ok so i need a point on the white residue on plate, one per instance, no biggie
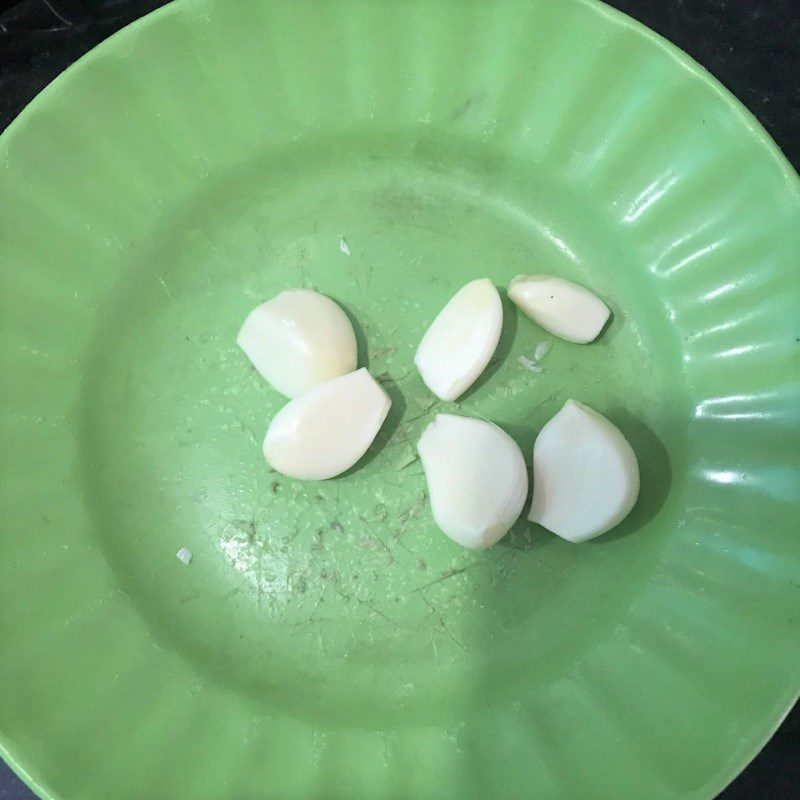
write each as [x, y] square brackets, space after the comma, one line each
[542, 349]
[529, 365]
[184, 555]
[343, 246]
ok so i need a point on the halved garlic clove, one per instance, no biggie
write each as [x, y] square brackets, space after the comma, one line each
[477, 479]
[324, 432]
[461, 340]
[299, 340]
[585, 474]
[560, 306]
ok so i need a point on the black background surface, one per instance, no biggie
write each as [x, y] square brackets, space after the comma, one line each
[752, 46]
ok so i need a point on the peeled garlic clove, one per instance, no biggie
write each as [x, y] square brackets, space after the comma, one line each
[325, 431]
[299, 340]
[560, 306]
[477, 479]
[585, 474]
[459, 343]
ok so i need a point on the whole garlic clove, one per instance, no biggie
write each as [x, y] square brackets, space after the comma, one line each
[326, 431]
[477, 479]
[299, 340]
[585, 474]
[560, 306]
[461, 340]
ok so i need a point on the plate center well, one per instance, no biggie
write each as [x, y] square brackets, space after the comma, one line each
[315, 595]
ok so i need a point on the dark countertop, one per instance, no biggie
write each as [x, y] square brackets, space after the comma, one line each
[752, 46]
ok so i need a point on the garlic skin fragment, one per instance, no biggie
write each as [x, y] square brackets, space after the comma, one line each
[299, 340]
[564, 308]
[326, 431]
[585, 474]
[460, 342]
[477, 479]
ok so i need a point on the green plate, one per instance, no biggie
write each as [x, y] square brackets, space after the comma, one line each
[326, 641]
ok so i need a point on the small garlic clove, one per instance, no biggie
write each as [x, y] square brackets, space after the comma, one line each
[461, 340]
[299, 340]
[585, 474]
[327, 430]
[477, 479]
[560, 306]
